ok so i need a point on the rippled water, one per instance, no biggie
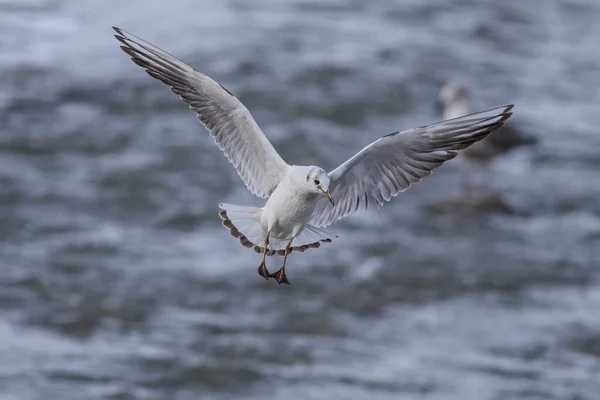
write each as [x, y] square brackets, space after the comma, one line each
[118, 282]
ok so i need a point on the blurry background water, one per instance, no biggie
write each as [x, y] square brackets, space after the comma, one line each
[118, 282]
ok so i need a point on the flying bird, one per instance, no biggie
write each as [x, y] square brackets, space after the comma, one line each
[302, 200]
[454, 99]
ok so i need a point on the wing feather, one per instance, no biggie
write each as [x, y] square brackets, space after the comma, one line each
[226, 118]
[393, 163]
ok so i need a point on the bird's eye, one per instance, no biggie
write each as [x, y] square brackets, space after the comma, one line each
[317, 182]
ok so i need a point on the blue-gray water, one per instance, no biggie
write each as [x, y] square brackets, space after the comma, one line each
[118, 282]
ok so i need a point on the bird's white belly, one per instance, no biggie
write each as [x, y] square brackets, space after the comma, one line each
[285, 214]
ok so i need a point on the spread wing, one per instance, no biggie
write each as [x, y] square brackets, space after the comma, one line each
[226, 118]
[393, 163]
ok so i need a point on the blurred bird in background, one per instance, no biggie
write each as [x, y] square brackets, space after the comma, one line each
[454, 100]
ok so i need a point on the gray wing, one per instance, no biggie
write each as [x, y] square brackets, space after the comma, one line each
[226, 118]
[391, 164]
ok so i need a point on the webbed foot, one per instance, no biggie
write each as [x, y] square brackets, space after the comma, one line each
[263, 271]
[280, 276]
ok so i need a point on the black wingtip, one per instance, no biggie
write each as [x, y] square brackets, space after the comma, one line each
[508, 108]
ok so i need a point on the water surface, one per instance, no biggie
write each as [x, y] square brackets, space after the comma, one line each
[118, 282]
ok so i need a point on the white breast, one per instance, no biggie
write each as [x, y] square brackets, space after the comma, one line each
[287, 211]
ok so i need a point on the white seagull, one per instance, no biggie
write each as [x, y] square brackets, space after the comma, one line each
[303, 199]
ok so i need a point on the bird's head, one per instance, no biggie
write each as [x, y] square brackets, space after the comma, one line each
[317, 182]
[453, 100]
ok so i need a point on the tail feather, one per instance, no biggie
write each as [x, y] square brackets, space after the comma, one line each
[243, 223]
[312, 233]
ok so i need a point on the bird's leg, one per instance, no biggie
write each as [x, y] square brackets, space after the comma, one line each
[280, 275]
[262, 268]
